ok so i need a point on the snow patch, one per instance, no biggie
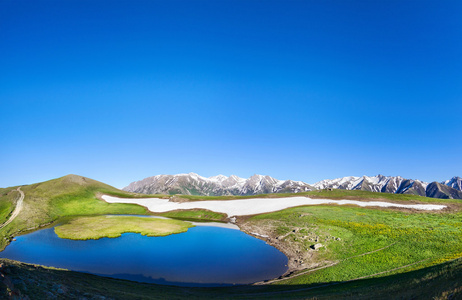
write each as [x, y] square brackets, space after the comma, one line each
[256, 205]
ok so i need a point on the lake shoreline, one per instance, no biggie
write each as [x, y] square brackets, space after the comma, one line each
[297, 260]
[194, 257]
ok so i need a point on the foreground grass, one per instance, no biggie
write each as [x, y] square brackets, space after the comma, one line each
[437, 282]
[85, 228]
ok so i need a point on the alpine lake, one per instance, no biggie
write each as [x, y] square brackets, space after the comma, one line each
[206, 255]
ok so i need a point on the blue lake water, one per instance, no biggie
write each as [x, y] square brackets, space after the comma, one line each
[202, 256]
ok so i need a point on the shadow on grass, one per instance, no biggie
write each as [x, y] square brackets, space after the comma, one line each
[443, 281]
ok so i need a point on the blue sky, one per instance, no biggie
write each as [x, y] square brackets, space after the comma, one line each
[304, 90]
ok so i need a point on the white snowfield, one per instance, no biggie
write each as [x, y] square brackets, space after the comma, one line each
[254, 206]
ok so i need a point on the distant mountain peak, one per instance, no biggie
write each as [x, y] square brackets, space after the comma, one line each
[219, 178]
[455, 182]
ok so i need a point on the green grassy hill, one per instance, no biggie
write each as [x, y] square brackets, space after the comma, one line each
[48, 201]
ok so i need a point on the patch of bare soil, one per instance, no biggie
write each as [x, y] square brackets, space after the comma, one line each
[178, 199]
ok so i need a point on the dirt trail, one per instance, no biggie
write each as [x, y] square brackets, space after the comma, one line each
[16, 210]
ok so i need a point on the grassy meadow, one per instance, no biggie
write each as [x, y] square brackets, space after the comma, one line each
[407, 238]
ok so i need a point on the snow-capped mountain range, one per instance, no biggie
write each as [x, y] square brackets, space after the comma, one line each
[449, 189]
[194, 184]
[220, 185]
[379, 183]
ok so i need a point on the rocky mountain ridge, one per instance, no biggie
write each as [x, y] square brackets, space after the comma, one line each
[220, 185]
[449, 189]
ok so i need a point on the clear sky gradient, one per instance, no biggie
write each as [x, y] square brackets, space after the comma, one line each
[305, 90]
